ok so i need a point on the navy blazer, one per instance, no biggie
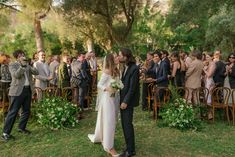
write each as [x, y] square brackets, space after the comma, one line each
[162, 75]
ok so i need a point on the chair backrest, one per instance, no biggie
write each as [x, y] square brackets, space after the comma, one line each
[50, 92]
[233, 97]
[183, 92]
[68, 93]
[35, 94]
[150, 89]
[220, 96]
[161, 95]
[201, 95]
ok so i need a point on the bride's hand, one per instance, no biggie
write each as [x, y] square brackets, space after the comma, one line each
[110, 90]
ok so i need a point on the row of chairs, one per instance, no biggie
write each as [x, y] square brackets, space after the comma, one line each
[219, 98]
[69, 93]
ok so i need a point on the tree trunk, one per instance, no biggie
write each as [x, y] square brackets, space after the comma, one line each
[90, 44]
[38, 34]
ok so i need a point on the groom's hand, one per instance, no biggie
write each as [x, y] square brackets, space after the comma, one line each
[123, 106]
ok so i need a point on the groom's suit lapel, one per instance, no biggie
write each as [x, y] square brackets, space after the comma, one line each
[127, 72]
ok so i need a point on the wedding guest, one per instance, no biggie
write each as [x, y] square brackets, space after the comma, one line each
[209, 71]
[63, 74]
[231, 70]
[194, 74]
[5, 76]
[220, 70]
[146, 70]
[21, 94]
[43, 78]
[54, 66]
[176, 70]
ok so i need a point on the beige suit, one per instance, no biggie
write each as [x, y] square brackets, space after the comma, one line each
[18, 78]
[41, 80]
[193, 76]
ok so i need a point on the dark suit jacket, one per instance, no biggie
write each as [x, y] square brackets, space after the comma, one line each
[167, 65]
[161, 76]
[131, 92]
[232, 78]
[219, 73]
[86, 65]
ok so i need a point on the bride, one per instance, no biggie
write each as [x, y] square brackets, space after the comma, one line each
[107, 105]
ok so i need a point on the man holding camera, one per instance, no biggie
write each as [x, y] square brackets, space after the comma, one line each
[20, 94]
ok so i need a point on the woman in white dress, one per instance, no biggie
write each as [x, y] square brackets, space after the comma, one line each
[209, 73]
[107, 106]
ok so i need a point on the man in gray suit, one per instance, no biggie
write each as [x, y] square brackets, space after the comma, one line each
[20, 94]
[43, 78]
[54, 65]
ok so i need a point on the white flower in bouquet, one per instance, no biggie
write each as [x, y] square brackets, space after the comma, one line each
[117, 85]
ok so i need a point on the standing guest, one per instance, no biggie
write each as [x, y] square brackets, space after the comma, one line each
[5, 76]
[69, 61]
[194, 74]
[129, 98]
[93, 65]
[44, 77]
[209, 73]
[86, 65]
[63, 74]
[176, 70]
[85, 80]
[147, 71]
[231, 70]
[161, 76]
[42, 80]
[21, 94]
[165, 59]
[54, 70]
[220, 70]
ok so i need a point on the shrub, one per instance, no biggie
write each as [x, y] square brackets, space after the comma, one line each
[179, 114]
[56, 113]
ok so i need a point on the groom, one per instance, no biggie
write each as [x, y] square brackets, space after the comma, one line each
[129, 98]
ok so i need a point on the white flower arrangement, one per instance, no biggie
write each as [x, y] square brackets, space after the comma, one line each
[117, 85]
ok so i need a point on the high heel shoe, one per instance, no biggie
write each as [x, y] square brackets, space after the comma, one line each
[113, 155]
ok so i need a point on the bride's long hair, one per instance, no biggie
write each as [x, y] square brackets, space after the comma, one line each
[109, 64]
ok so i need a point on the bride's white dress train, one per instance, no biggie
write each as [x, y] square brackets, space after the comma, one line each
[108, 108]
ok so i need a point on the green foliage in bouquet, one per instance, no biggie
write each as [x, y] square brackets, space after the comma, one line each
[179, 114]
[56, 113]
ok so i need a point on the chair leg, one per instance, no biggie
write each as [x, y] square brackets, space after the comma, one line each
[233, 115]
[154, 111]
[149, 104]
[227, 115]
[213, 114]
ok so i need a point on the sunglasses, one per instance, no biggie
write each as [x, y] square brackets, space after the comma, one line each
[232, 57]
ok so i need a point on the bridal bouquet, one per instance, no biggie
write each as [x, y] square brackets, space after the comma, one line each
[117, 85]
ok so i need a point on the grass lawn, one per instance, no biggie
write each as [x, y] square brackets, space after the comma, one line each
[214, 140]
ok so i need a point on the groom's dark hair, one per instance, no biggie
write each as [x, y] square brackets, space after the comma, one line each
[128, 54]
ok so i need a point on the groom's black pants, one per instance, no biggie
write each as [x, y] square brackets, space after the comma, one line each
[128, 129]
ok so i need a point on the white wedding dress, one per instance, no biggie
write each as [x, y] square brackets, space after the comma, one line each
[108, 108]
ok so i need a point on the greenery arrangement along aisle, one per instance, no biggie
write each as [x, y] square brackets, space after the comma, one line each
[179, 114]
[56, 113]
